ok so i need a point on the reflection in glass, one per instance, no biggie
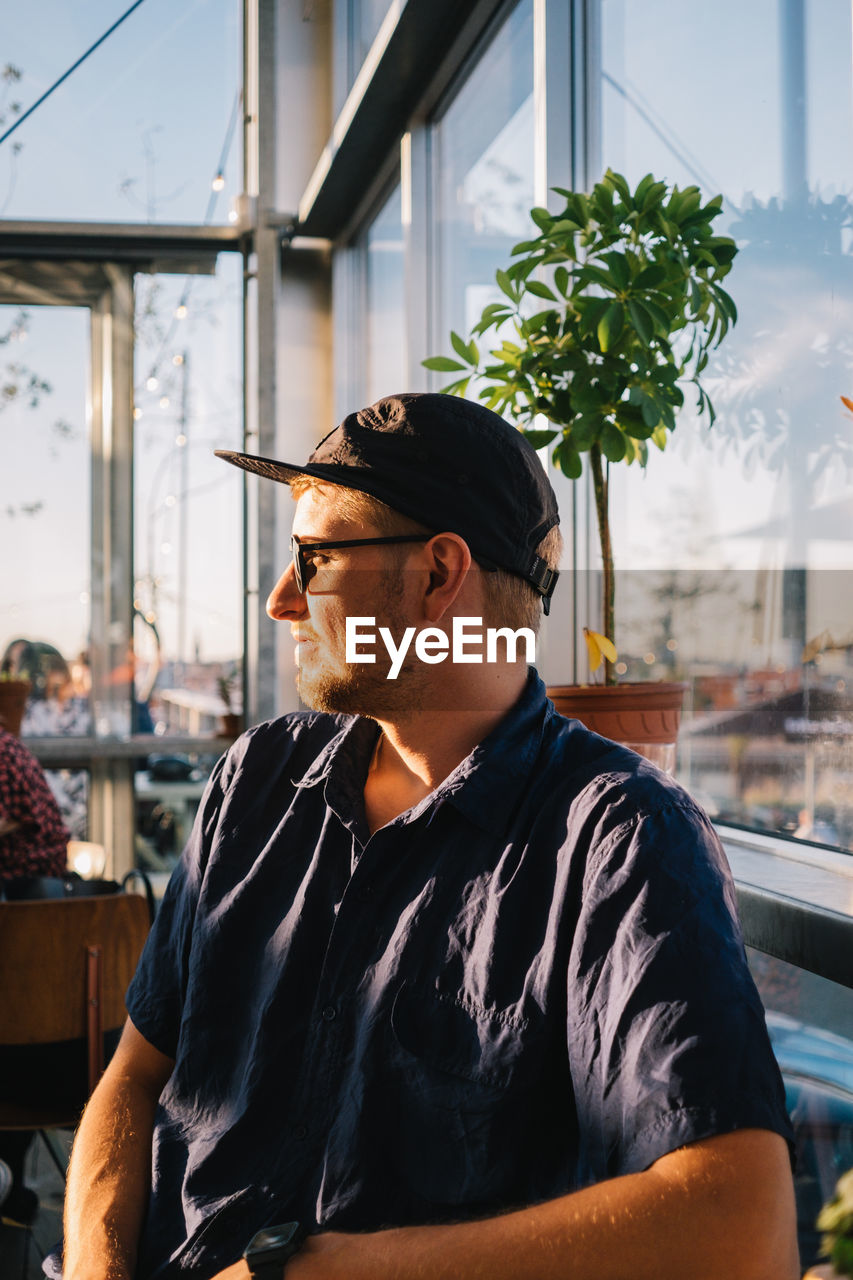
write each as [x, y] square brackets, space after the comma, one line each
[484, 148]
[45, 514]
[386, 318]
[748, 524]
[187, 620]
[145, 130]
[811, 1028]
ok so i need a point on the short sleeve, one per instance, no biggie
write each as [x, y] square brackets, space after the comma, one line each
[666, 1034]
[155, 997]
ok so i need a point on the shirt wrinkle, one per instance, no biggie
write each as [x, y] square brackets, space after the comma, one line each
[455, 1015]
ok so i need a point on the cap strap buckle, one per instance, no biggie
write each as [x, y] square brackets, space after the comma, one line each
[544, 579]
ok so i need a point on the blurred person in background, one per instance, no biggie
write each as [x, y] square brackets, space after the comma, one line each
[33, 842]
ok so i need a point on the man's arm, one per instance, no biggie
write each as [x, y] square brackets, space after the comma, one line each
[719, 1209]
[110, 1171]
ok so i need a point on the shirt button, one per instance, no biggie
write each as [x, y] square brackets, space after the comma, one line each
[329, 1013]
[300, 1132]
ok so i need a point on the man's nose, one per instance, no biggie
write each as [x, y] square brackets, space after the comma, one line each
[285, 601]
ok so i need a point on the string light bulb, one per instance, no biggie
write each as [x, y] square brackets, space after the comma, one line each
[152, 384]
[164, 402]
[219, 181]
[178, 359]
[180, 312]
[180, 440]
[137, 414]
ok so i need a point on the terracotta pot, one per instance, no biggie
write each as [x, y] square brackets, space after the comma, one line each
[13, 700]
[643, 716]
[231, 725]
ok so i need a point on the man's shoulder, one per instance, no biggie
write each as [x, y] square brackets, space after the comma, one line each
[605, 786]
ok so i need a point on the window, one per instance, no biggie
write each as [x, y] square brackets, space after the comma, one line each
[142, 128]
[386, 316]
[484, 144]
[736, 546]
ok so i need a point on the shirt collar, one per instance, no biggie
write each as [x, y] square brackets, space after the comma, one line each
[484, 786]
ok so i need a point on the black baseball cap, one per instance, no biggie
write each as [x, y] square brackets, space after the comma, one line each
[446, 462]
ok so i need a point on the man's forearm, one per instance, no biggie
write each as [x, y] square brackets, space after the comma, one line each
[108, 1181]
[718, 1209]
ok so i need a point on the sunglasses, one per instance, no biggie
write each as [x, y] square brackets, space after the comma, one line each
[304, 569]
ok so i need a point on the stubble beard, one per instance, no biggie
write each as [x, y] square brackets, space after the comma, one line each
[363, 689]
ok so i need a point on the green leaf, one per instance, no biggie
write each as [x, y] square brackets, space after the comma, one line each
[506, 285]
[641, 320]
[562, 280]
[619, 269]
[542, 218]
[612, 442]
[657, 313]
[565, 226]
[524, 246]
[539, 439]
[620, 184]
[461, 347]
[585, 431]
[722, 248]
[659, 437]
[456, 388]
[653, 196]
[651, 276]
[568, 460]
[443, 364]
[642, 188]
[592, 274]
[610, 325]
[650, 410]
[540, 290]
[591, 309]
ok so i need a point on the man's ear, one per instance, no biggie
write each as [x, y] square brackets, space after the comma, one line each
[450, 560]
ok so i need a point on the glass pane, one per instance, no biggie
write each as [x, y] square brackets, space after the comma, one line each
[140, 131]
[740, 537]
[369, 15]
[386, 317]
[45, 513]
[484, 149]
[188, 543]
[167, 794]
[811, 1025]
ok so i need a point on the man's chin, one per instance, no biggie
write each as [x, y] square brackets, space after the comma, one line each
[354, 694]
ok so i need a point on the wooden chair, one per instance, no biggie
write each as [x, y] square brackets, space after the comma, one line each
[64, 968]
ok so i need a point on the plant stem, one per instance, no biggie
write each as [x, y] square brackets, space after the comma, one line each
[600, 489]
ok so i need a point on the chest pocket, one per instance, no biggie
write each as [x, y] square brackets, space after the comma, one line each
[460, 1093]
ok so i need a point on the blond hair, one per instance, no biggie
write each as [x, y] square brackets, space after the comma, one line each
[508, 600]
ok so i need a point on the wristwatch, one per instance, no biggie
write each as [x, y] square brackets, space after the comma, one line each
[268, 1250]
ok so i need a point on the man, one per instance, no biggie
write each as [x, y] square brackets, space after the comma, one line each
[444, 977]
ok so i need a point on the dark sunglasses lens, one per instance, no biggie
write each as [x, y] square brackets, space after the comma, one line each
[298, 566]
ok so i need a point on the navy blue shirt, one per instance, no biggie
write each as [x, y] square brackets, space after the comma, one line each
[531, 981]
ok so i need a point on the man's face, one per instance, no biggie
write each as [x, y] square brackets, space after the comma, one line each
[347, 581]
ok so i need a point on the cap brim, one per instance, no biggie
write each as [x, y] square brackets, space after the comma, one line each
[267, 467]
[328, 472]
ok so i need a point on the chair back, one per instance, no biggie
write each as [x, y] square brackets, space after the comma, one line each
[64, 968]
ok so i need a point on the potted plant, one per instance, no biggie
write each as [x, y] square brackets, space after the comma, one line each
[232, 721]
[606, 315]
[836, 1222]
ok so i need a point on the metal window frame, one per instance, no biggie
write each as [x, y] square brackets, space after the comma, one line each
[92, 266]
